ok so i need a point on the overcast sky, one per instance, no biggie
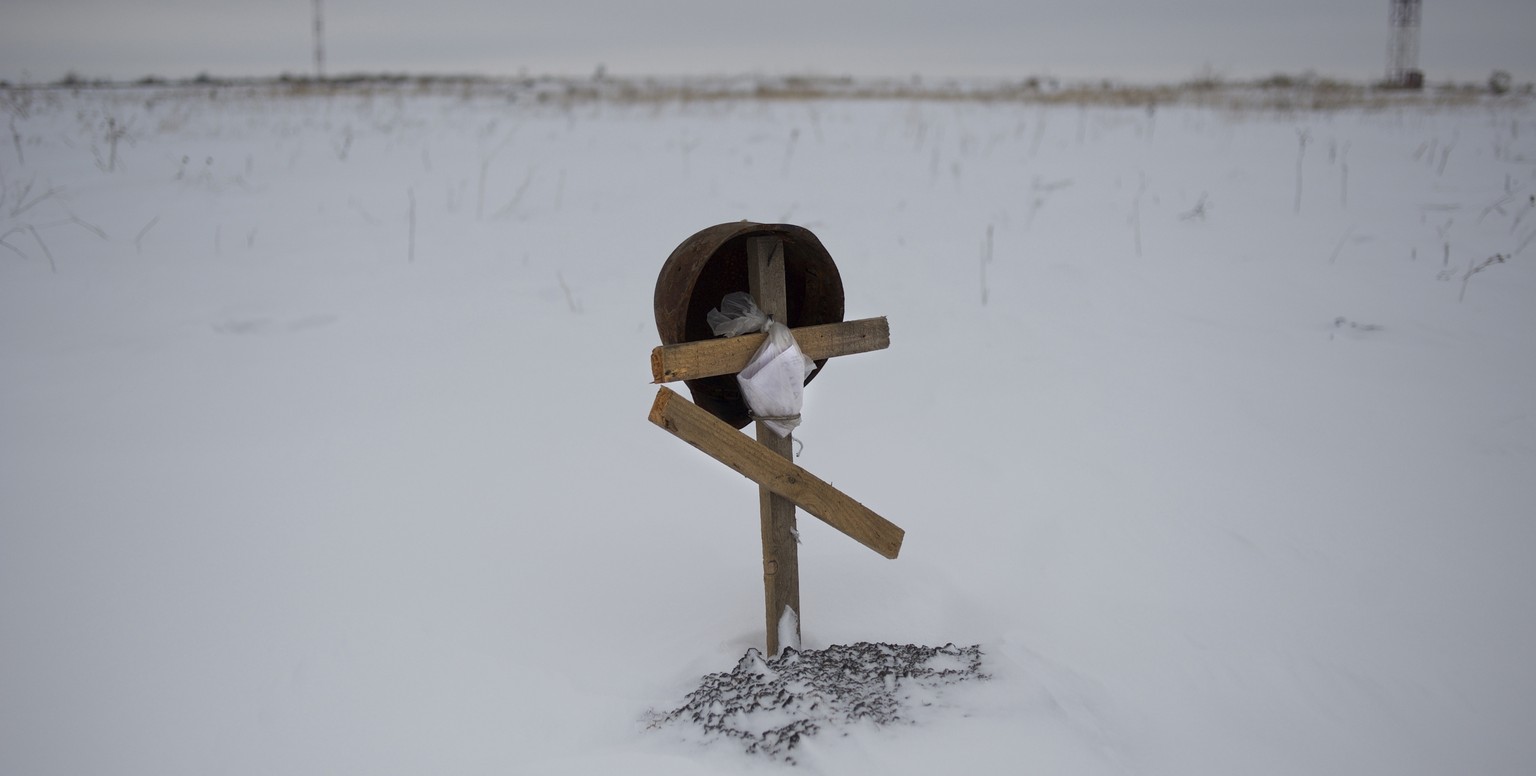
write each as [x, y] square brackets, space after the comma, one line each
[1135, 40]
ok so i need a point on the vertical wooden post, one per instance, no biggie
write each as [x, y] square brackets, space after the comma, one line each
[781, 556]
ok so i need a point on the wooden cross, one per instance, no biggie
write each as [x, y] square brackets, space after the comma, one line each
[768, 461]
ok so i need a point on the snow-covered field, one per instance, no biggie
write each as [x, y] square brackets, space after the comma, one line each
[323, 438]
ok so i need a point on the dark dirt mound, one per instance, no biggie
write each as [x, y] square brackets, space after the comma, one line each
[770, 706]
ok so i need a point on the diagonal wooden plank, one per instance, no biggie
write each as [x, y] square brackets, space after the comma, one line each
[757, 463]
[726, 356]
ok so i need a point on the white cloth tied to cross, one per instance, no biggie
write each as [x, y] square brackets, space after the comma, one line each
[773, 383]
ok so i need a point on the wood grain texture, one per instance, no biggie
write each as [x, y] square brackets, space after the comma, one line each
[781, 551]
[717, 439]
[727, 356]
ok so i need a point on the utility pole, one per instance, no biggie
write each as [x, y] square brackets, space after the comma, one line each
[319, 43]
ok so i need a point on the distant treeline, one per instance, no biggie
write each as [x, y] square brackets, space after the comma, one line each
[1307, 90]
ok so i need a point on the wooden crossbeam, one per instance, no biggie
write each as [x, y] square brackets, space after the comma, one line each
[751, 459]
[707, 358]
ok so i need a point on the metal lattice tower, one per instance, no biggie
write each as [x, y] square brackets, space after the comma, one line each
[1403, 51]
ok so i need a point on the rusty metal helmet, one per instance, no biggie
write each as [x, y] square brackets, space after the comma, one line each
[713, 263]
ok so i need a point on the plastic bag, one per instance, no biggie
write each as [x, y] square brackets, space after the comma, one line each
[773, 382]
[737, 315]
